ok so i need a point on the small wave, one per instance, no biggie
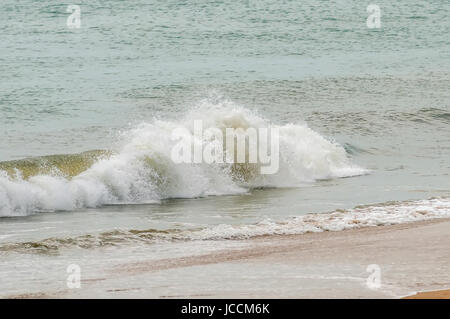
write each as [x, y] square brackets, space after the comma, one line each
[354, 150]
[389, 213]
[429, 115]
[435, 113]
[143, 172]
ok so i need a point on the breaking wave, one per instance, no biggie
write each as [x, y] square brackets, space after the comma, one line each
[142, 171]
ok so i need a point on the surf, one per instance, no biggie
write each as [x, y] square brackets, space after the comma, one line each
[142, 171]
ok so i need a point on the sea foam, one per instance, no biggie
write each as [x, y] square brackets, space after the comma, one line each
[142, 170]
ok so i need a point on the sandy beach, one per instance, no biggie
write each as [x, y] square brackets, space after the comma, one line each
[411, 258]
[438, 294]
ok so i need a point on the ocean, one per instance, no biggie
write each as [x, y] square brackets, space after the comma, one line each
[86, 117]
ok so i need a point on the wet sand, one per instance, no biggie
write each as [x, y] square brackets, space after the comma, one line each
[439, 294]
[410, 258]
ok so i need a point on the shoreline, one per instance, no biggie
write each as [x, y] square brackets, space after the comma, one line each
[312, 265]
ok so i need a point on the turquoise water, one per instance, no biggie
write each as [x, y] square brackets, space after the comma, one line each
[67, 90]
[382, 94]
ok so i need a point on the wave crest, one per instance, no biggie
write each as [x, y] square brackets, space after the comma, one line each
[142, 170]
